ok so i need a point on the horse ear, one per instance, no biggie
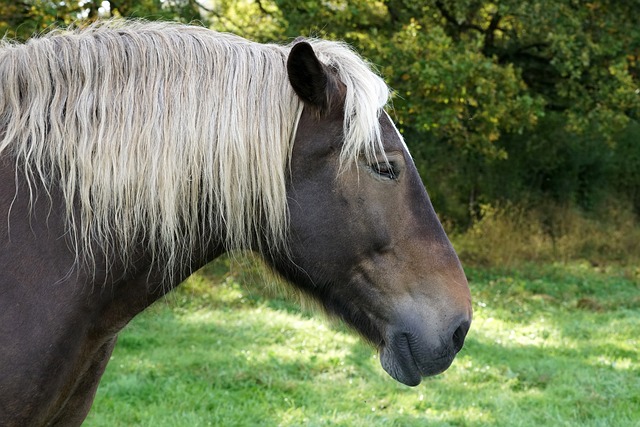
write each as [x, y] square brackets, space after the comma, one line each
[308, 76]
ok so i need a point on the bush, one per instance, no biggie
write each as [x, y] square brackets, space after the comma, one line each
[508, 235]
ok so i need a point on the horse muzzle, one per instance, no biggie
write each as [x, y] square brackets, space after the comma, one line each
[410, 352]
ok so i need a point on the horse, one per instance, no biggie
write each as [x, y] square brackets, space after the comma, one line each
[133, 153]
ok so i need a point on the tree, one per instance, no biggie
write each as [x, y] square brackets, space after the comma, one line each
[23, 19]
[480, 86]
[488, 78]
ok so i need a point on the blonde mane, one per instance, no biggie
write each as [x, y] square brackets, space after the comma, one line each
[164, 132]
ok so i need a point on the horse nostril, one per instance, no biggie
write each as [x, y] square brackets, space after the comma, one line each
[459, 334]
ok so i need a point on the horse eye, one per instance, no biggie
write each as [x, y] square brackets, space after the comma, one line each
[386, 170]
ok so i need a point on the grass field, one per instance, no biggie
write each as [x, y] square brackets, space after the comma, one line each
[550, 346]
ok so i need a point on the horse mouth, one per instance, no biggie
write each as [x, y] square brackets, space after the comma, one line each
[407, 361]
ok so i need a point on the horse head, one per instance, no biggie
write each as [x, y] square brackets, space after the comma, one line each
[364, 238]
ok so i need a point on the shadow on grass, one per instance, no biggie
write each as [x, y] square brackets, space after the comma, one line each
[239, 371]
[266, 362]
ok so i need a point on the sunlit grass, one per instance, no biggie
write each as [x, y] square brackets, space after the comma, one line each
[549, 346]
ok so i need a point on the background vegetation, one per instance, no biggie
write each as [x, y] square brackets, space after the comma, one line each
[509, 107]
[524, 120]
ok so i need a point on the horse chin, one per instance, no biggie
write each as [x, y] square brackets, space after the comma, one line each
[406, 361]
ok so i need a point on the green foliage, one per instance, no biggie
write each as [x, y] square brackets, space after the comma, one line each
[499, 101]
[23, 19]
[456, 92]
[550, 345]
[625, 165]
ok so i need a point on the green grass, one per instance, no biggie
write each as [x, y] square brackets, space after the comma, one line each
[549, 346]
